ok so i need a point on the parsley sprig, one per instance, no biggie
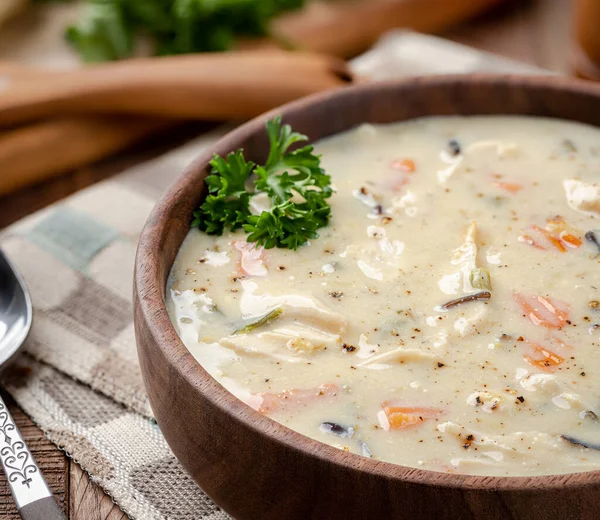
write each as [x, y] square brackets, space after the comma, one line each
[113, 29]
[294, 182]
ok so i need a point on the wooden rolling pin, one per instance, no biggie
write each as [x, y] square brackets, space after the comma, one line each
[215, 86]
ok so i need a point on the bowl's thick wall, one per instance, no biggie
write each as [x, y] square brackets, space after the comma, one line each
[257, 469]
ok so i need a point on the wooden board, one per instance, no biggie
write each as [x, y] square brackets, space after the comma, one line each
[87, 500]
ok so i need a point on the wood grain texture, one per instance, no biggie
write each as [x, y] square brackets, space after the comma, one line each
[87, 500]
[348, 28]
[17, 205]
[9, 8]
[586, 55]
[495, 32]
[211, 86]
[49, 148]
[71, 119]
[222, 441]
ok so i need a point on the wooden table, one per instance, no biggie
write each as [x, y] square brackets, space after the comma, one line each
[536, 32]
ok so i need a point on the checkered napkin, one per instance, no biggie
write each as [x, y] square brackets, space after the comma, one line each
[80, 379]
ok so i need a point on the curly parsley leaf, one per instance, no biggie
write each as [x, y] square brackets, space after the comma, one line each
[227, 203]
[294, 182]
[111, 29]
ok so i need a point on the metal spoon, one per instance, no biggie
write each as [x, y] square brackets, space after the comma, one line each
[29, 489]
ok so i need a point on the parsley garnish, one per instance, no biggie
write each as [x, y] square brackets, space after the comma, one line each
[111, 29]
[294, 182]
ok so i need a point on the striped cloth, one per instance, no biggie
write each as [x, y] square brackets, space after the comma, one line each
[80, 380]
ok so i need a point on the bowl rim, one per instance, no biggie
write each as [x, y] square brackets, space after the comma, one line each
[149, 295]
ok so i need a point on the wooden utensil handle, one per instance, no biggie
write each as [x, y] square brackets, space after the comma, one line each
[586, 53]
[206, 86]
[39, 151]
[346, 28]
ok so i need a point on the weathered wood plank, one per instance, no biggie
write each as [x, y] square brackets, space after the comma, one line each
[87, 500]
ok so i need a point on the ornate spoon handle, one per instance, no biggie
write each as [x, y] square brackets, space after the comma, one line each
[29, 489]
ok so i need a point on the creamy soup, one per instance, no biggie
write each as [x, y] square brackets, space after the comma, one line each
[448, 317]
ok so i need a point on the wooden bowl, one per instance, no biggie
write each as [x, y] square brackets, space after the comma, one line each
[258, 469]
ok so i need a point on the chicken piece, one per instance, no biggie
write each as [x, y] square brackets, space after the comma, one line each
[251, 258]
[284, 343]
[290, 331]
[467, 252]
[544, 384]
[583, 197]
[469, 284]
[547, 387]
[485, 401]
[469, 278]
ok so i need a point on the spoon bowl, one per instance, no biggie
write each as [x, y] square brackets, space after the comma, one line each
[16, 313]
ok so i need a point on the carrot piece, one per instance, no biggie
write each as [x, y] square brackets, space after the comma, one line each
[512, 187]
[552, 239]
[544, 359]
[399, 417]
[543, 311]
[557, 233]
[405, 165]
[570, 239]
[528, 239]
[296, 398]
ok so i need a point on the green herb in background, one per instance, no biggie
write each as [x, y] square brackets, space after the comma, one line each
[294, 183]
[109, 29]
